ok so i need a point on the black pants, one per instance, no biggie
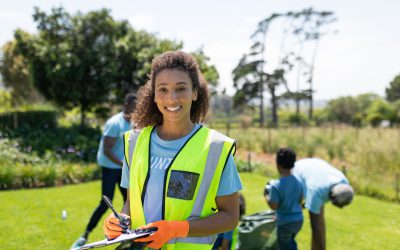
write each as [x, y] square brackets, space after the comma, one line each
[109, 178]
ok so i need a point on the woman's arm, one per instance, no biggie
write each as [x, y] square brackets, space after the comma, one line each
[127, 208]
[109, 143]
[224, 220]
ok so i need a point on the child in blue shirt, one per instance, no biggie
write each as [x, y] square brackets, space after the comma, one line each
[284, 196]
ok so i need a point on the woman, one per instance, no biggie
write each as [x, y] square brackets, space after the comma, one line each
[180, 176]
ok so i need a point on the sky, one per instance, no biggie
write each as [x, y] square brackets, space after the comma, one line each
[363, 56]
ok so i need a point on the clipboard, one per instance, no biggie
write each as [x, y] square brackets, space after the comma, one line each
[136, 234]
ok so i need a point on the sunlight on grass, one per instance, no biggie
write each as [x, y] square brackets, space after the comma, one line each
[33, 218]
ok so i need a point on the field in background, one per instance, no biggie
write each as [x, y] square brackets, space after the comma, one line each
[370, 156]
[32, 218]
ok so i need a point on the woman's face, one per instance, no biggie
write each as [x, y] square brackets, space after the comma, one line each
[174, 95]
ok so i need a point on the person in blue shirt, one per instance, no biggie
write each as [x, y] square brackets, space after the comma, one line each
[110, 156]
[321, 183]
[285, 196]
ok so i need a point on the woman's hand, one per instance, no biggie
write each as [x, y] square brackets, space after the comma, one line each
[166, 230]
[113, 228]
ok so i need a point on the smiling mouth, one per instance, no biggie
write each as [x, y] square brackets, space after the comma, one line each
[173, 109]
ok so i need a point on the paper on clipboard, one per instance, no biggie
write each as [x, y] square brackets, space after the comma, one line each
[119, 239]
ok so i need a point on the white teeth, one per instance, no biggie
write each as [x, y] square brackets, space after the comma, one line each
[173, 108]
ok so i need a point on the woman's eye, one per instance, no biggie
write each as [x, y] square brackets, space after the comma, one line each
[181, 89]
[162, 90]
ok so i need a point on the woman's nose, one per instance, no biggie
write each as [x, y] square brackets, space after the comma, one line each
[172, 95]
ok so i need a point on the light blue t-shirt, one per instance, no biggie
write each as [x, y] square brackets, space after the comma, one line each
[115, 127]
[162, 153]
[287, 192]
[317, 177]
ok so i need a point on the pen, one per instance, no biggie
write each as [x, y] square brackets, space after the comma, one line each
[117, 215]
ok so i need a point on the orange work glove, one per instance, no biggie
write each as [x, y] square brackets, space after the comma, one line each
[166, 231]
[112, 226]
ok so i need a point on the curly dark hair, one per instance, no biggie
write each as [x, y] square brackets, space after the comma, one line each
[147, 113]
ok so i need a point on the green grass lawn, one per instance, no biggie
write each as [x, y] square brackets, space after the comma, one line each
[366, 224]
[31, 219]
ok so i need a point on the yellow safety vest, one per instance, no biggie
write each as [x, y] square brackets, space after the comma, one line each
[201, 159]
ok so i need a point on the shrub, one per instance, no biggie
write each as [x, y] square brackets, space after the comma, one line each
[47, 175]
[25, 120]
[34, 176]
[7, 177]
[27, 170]
[73, 143]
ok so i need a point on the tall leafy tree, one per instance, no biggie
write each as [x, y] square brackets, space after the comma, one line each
[89, 60]
[342, 109]
[250, 77]
[133, 56]
[15, 73]
[393, 91]
[72, 58]
[395, 119]
[208, 70]
[308, 25]
[379, 111]
[363, 101]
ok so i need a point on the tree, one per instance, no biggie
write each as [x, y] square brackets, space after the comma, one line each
[250, 76]
[133, 57]
[393, 91]
[15, 73]
[365, 100]
[72, 58]
[89, 60]
[342, 109]
[209, 72]
[379, 111]
[5, 100]
[310, 27]
[395, 118]
[276, 79]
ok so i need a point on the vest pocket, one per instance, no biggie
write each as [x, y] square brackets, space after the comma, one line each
[182, 184]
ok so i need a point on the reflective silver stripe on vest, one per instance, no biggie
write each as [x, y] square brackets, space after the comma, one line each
[195, 240]
[214, 153]
[132, 144]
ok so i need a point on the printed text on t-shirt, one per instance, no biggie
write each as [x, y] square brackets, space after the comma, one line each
[160, 162]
